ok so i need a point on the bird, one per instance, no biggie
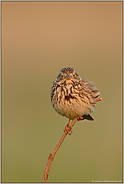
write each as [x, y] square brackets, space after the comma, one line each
[71, 96]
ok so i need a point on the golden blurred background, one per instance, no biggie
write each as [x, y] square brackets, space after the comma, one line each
[38, 40]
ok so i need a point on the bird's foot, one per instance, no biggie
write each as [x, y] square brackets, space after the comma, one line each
[98, 99]
[68, 128]
[79, 118]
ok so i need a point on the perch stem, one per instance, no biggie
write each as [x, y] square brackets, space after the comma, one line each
[52, 155]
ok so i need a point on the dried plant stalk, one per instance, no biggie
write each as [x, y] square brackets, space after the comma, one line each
[52, 155]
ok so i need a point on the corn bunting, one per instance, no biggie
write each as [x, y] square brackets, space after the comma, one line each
[72, 96]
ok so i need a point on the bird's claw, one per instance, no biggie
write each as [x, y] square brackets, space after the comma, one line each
[68, 128]
[79, 118]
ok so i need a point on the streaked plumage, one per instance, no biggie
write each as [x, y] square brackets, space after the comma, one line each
[72, 96]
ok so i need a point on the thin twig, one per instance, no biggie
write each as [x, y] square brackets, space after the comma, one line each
[52, 155]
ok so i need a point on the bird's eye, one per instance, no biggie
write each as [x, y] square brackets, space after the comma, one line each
[61, 75]
[74, 75]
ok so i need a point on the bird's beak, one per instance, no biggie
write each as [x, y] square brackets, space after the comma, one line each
[68, 76]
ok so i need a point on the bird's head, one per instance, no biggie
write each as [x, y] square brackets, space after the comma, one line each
[67, 73]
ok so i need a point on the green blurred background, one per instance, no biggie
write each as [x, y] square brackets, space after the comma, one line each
[38, 40]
